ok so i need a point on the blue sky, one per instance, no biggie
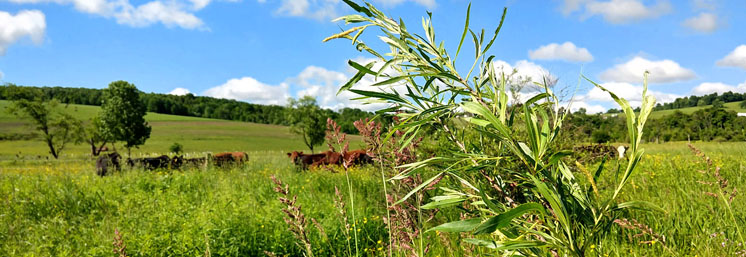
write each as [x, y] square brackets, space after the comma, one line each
[265, 51]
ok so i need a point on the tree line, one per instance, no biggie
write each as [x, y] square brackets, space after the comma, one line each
[196, 106]
[709, 124]
[694, 101]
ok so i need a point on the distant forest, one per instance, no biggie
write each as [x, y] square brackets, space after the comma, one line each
[709, 124]
[693, 101]
[200, 106]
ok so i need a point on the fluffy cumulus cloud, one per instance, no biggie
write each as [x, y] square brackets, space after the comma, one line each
[663, 71]
[717, 87]
[617, 11]
[704, 22]
[736, 58]
[250, 90]
[566, 51]
[525, 70]
[324, 10]
[631, 92]
[179, 91]
[25, 24]
[172, 13]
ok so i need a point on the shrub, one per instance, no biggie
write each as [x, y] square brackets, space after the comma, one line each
[511, 184]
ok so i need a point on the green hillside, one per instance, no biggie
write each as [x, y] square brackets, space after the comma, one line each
[197, 135]
[732, 106]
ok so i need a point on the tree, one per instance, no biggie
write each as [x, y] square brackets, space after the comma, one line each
[176, 148]
[96, 137]
[123, 115]
[57, 127]
[306, 120]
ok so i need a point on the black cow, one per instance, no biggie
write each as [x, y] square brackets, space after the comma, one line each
[176, 162]
[104, 161]
[160, 162]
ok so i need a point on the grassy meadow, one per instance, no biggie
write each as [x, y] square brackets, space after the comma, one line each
[197, 135]
[61, 208]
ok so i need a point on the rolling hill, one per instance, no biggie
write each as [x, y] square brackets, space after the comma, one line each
[197, 135]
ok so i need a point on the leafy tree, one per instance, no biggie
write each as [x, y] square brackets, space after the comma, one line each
[306, 120]
[58, 128]
[123, 115]
[96, 136]
[717, 103]
[600, 136]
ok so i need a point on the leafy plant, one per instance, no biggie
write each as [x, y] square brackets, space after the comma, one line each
[510, 181]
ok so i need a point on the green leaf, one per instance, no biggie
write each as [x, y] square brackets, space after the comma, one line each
[640, 205]
[418, 188]
[364, 69]
[503, 220]
[358, 8]
[457, 226]
[466, 29]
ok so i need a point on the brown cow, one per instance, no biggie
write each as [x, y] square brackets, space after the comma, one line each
[330, 158]
[304, 160]
[221, 159]
[357, 157]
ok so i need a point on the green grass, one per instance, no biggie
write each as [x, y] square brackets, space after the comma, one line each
[732, 106]
[60, 208]
[197, 135]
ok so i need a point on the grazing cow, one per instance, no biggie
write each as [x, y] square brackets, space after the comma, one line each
[357, 157]
[330, 158]
[304, 160]
[104, 161]
[160, 162]
[222, 159]
[176, 162]
[196, 162]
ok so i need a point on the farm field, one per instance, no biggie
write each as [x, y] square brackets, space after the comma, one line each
[197, 135]
[61, 208]
[732, 106]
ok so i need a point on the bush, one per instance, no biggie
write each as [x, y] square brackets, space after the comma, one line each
[600, 136]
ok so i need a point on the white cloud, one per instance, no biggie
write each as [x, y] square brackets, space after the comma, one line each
[26, 23]
[179, 91]
[663, 71]
[705, 23]
[717, 87]
[736, 58]
[324, 10]
[525, 70]
[1, 75]
[566, 51]
[250, 90]
[172, 13]
[630, 92]
[617, 11]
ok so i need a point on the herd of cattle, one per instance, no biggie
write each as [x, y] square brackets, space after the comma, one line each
[106, 162]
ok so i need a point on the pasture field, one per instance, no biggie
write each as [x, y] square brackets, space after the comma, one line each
[732, 106]
[195, 134]
[60, 208]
